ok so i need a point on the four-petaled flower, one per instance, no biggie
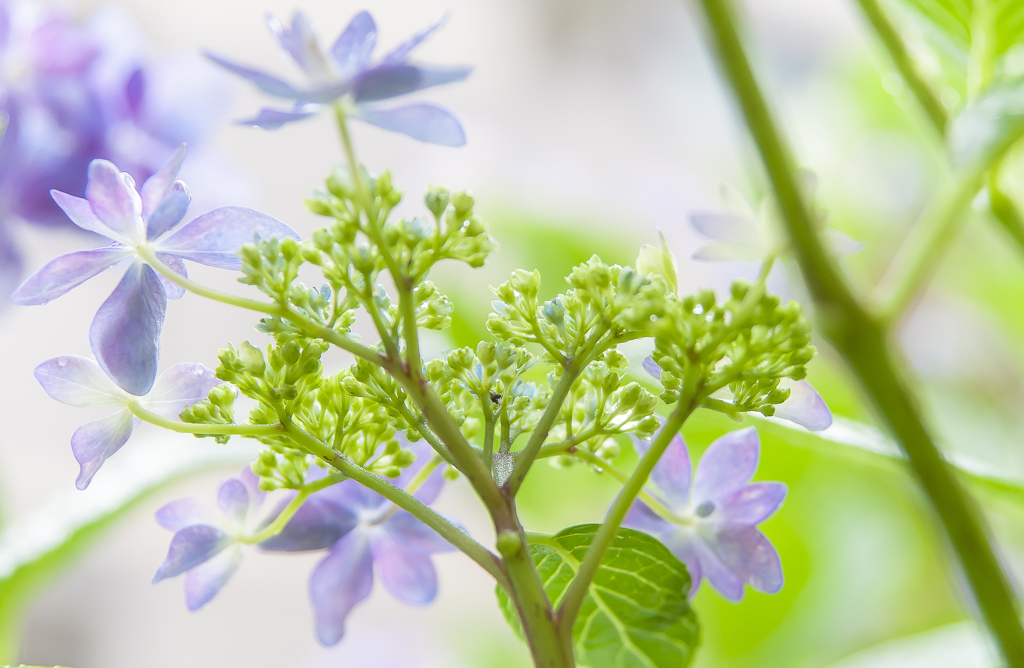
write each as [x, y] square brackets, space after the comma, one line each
[79, 381]
[804, 406]
[206, 544]
[713, 528]
[346, 74]
[125, 333]
[363, 530]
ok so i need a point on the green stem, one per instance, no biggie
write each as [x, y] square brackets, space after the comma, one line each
[303, 493]
[893, 43]
[655, 505]
[580, 584]
[1004, 209]
[412, 337]
[863, 342]
[488, 445]
[212, 429]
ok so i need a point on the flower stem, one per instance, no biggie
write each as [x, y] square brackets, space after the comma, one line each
[645, 496]
[211, 429]
[893, 42]
[279, 523]
[580, 584]
[863, 341]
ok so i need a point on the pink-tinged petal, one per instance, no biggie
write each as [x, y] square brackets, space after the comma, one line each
[112, 197]
[233, 500]
[190, 547]
[177, 265]
[673, 471]
[66, 272]
[642, 518]
[81, 214]
[410, 532]
[186, 512]
[301, 44]
[408, 575]
[651, 367]
[727, 465]
[351, 51]
[747, 553]
[204, 581]
[95, 442]
[272, 119]
[179, 387]
[265, 82]
[401, 53]
[749, 505]
[340, 582]
[804, 406]
[79, 381]
[421, 121]
[317, 525]
[215, 238]
[159, 185]
[718, 251]
[169, 211]
[721, 577]
[125, 334]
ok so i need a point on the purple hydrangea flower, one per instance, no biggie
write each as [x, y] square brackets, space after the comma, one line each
[79, 381]
[714, 528]
[125, 333]
[365, 532]
[804, 406]
[206, 546]
[346, 74]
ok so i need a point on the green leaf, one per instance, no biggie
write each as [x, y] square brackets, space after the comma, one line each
[999, 22]
[988, 126]
[636, 614]
[34, 549]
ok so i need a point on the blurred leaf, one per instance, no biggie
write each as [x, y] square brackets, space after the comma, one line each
[988, 126]
[35, 549]
[999, 22]
[636, 614]
[951, 646]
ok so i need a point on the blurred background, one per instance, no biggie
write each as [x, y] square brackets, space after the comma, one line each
[592, 124]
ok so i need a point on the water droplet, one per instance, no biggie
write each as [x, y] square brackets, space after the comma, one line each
[62, 361]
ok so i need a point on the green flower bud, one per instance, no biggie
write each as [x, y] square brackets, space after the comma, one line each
[660, 262]
[252, 358]
[437, 200]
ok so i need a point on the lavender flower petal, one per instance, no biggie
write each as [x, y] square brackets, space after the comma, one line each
[190, 547]
[268, 84]
[169, 211]
[204, 581]
[301, 44]
[351, 51]
[642, 518]
[413, 534]
[252, 485]
[340, 582]
[318, 524]
[182, 513]
[408, 575]
[66, 272]
[81, 214]
[401, 52]
[804, 407]
[751, 504]
[94, 442]
[681, 542]
[717, 573]
[113, 199]
[351, 495]
[233, 500]
[179, 387]
[125, 334]
[727, 465]
[387, 81]
[78, 381]
[651, 367]
[177, 265]
[717, 251]
[157, 186]
[11, 264]
[748, 554]
[729, 228]
[272, 119]
[422, 121]
[214, 238]
[431, 487]
[672, 472]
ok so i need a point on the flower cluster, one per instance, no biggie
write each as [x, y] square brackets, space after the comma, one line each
[71, 93]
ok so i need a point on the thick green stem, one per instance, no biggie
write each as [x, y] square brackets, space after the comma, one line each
[623, 478]
[863, 342]
[580, 584]
[893, 43]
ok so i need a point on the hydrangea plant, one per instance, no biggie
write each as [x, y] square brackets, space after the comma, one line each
[352, 461]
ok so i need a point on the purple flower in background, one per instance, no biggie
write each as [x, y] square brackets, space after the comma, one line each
[125, 333]
[347, 75]
[79, 381]
[365, 532]
[714, 528]
[804, 406]
[206, 545]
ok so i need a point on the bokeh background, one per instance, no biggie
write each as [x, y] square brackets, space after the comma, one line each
[592, 124]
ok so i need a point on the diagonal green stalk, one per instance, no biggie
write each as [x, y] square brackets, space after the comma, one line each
[180, 427]
[863, 341]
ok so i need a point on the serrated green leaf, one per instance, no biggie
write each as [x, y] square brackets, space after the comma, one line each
[988, 126]
[636, 614]
[34, 549]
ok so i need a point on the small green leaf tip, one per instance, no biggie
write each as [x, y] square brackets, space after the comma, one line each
[659, 262]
